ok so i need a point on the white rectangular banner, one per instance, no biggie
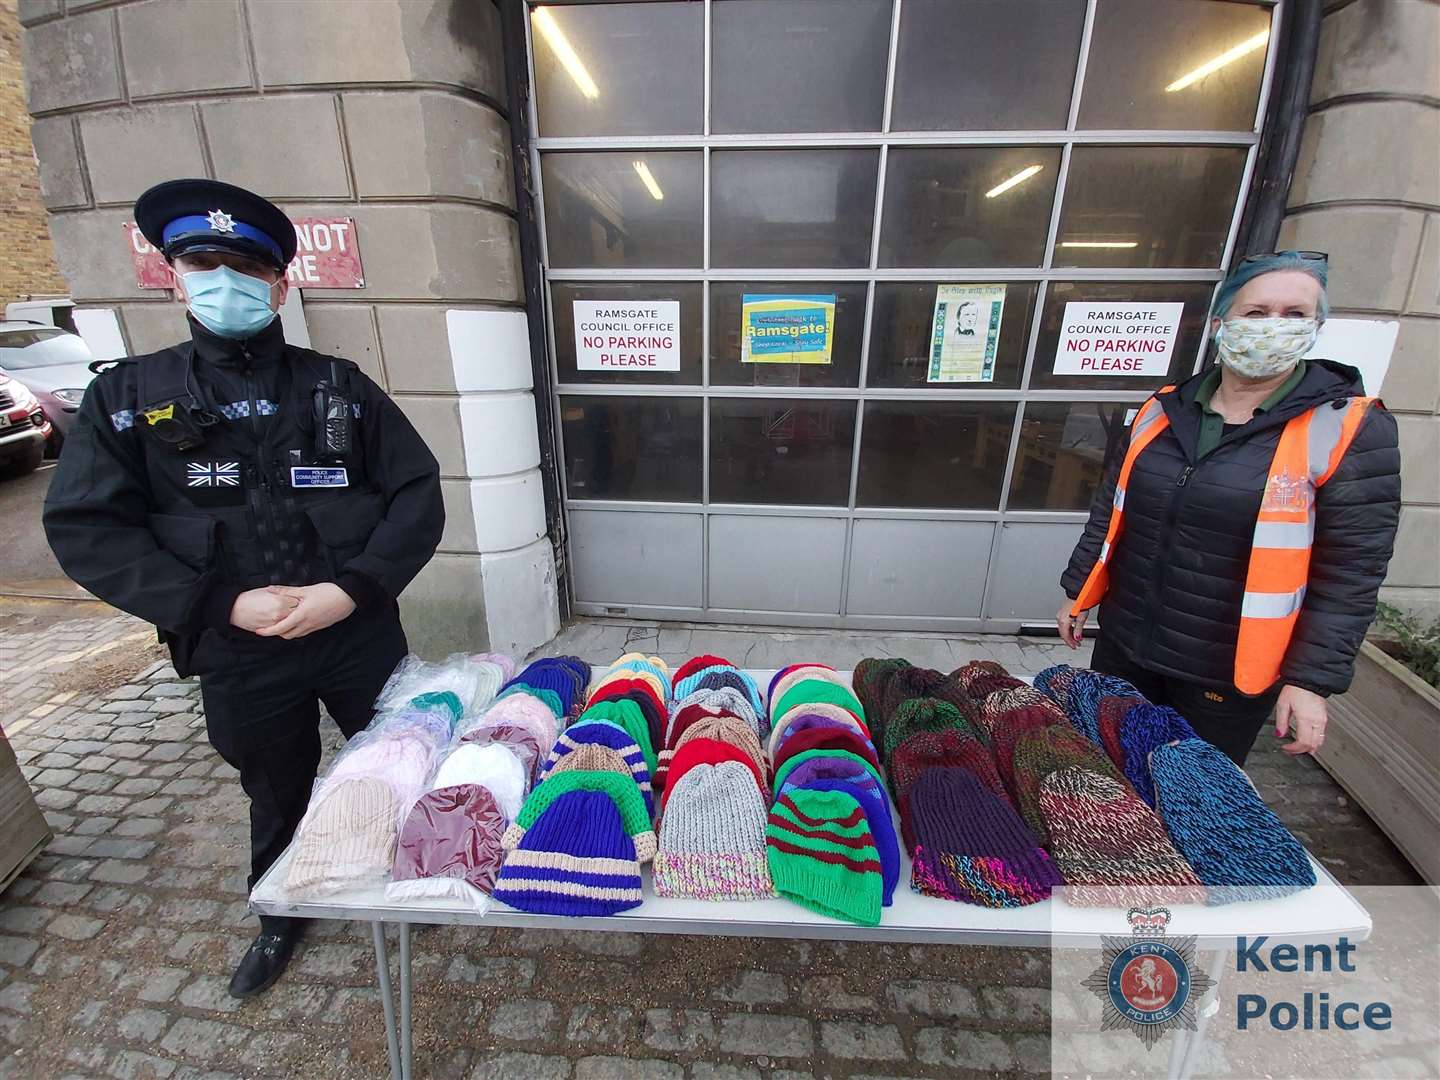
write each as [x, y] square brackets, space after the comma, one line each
[1117, 339]
[614, 335]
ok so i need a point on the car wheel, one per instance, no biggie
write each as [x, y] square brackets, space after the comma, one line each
[29, 461]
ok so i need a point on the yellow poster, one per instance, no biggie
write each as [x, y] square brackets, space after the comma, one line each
[786, 329]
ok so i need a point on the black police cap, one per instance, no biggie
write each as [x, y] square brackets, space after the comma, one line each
[181, 216]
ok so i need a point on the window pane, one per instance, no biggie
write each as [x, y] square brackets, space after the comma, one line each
[805, 65]
[900, 334]
[1194, 295]
[620, 69]
[1148, 205]
[726, 298]
[641, 208]
[792, 207]
[967, 206]
[934, 454]
[1146, 61]
[769, 451]
[688, 293]
[632, 448]
[997, 65]
[1064, 446]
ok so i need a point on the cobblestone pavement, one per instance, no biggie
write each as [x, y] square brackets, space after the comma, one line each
[116, 944]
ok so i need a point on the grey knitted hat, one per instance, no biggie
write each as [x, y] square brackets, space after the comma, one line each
[712, 837]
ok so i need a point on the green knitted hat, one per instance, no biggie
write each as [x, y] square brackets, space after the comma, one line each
[621, 788]
[920, 714]
[625, 714]
[821, 855]
[791, 764]
[810, 691]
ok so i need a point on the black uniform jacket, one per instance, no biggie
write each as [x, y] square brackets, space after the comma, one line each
[174, 537]
[1177, 575]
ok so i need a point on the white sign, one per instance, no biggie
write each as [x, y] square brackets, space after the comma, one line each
[613, 335]
[1117, 339]
[1366, 344]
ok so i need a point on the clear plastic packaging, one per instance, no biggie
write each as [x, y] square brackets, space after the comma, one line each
[449, 846]
[473, 681]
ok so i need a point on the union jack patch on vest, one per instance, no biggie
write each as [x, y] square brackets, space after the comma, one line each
[212, 474]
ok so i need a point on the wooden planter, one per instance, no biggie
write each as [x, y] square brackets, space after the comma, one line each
[1382, 746]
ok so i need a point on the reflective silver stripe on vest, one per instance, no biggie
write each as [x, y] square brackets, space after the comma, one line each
[1271, 605]
[1119, 501]
[1285, 534]
[1149, 413]
[1325, 424]
[1104, 551]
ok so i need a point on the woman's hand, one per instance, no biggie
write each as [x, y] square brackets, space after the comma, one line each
[256, 609]
[1072, 627]
[1302, 714]
[319, 606]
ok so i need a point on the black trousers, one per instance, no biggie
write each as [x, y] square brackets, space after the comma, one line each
[1226, 718]
[262, 698]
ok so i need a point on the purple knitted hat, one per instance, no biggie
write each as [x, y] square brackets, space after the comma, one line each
[972, 846]
[1147, 728]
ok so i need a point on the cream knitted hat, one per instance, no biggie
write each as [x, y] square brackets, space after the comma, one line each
[347, 839]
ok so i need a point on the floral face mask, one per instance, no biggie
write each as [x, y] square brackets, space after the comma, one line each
[1262, 348]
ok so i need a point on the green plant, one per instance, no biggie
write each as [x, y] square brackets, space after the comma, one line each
[1410, 641]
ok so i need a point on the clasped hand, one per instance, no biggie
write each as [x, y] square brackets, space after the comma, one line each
[289, 611]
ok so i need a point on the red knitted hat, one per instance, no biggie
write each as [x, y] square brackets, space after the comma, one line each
[694, 664]
[826, 738]
[710, 752]
[998, 703]
[1009, 726]
[1112, 713]
[982, 677]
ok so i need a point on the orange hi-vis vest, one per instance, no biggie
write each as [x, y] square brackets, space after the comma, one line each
[1310, 448]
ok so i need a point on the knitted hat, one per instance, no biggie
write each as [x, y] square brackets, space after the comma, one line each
[919, 714]
[503, 662]
[622, 685]
[981, 678]
[643, 699]
[868, 681]
[641, 662]
[553, 701]
[711, 752]
[564, 676]
[918, 682]
[712, 838]
[821, 708]
[489, 677]
[998, 703]
[805, 717]
[1086, 689]
[728, 729]
[625, 714]
[575, 859]
[604, 733]
[839, 760]
[822, 855]
[785, 678]
[832, 738]
[591, 757]
[1217, 821]
[658, 686]
[452, 832]
[1040, 753]
[828, 765]
[709, 702]
[1146, 728]
[1113, 711]
[1054, 682]
[927, 750]
[970, 845]
[871, 797]
[694, 664]
[347, 838]
[520, 740]
[812, 691]
[1011, 725]
[494, 766]
[621, 791]
[692, 682]
[527, 710]
[1109, 846]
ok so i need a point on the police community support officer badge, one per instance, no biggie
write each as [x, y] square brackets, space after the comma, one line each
[221, 221]
[1145, 982]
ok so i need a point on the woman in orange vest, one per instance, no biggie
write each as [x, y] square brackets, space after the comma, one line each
[1236, 547]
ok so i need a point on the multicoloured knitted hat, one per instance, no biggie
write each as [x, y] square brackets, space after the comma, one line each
[926, 750]
[919, 714]
[625, 714]
[916, 682]
[1040, 753]
[1086, 689]
[590, 757]
[832, 738]
[839, 760]
[970, 845]
[575, 859]
[822, 855]
[871, 796]
[620, 790]
[813, 691]
[981, 678]
[710, 752]
[604, 733]
[1113, 712]
[998, 703]
[1219, 823]
[1011, 725]
[868, 681]
[1109, 846]
[696, 663]
[1054, 682]
[1146, 728]
[804, 717]
[712, 838]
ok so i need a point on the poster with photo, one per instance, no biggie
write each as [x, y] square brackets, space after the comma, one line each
[965, 333]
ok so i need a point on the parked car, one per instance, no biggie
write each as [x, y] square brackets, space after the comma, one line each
[54, 364]
[23, 427]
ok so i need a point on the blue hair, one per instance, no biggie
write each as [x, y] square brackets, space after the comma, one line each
[1249, 270]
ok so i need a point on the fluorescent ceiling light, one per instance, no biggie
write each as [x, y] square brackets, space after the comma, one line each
[648, 179]
[564, 52]
[1100, 243]
[1019, 178]
[1229, 56]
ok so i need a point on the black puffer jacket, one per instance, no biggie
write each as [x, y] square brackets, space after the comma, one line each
[1177, 575]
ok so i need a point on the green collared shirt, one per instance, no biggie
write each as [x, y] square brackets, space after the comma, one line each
[1212, 424]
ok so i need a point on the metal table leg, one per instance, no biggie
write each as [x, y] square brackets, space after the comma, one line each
[1209, 1005]
[405, 1032]
[387, 999]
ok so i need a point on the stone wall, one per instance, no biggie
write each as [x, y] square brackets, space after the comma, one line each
[29, 264]
[390, 112]
[1367, 190]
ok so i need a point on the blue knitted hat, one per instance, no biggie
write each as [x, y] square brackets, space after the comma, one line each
[1145, 728]
[692, 682]
[1222, 827]
[576, 859]
[871, 797]
[605, 733]
[1086, 690]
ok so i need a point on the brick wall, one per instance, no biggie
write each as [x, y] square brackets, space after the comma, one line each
[390, 112]
[1367, 190]
[29, 263]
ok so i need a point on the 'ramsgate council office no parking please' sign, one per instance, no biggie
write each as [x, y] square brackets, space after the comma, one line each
[1117, 339]
[327, 256]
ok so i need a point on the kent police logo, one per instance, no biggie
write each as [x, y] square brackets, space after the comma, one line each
[221, 221]
[1144, 982]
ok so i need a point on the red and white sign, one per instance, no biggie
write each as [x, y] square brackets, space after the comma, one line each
[615, 335]
[1117, 339]
[327, 256]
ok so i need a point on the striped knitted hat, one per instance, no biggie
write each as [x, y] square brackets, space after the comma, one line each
[866, 790]
[590, 757]
[620, 790]
[980, 678]
[712, 838]
[1113, 711]
[970, 844]
[711, 752]
[1040, 753]
[1219, 823]
[575, 859]
[625, 714]
[604, 733]
[1148, 727]
[822, 855]
[868, 681]
[918, 714]
[804, 717]
[823, 738]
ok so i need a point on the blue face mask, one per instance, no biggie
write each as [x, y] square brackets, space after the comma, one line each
[227, 302]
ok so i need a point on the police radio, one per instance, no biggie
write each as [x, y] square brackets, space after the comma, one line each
[332, 410]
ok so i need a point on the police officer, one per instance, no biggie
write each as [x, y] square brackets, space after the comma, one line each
[261, 504]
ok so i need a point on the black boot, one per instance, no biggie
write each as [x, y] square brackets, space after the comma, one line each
[268, 955]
